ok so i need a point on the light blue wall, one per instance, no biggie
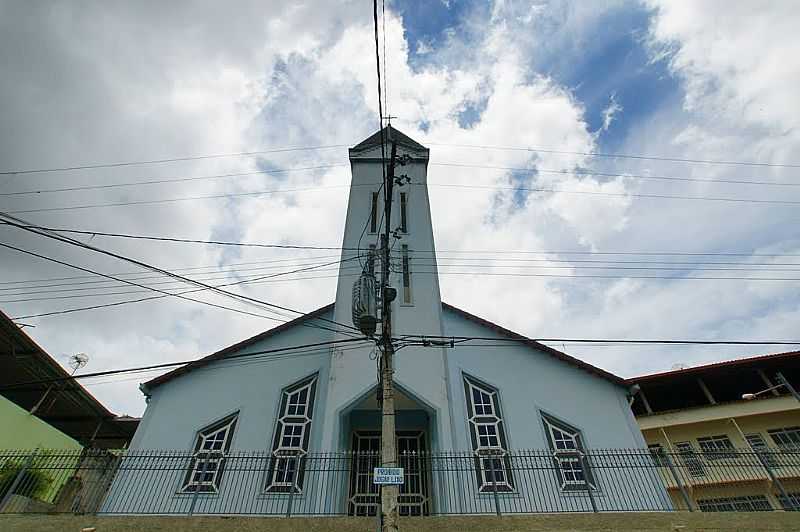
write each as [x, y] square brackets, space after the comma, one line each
[251, 386]
[531, 382]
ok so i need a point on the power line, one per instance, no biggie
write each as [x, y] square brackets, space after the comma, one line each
[169, 160]
[180, 363]
[617, 155]
[133, 283]
[179, 199]
[445, 185]
[170, 180]
[452, 251]
[591, 172]
[26, 292]
[26, 226]
[601, 340]
[616, 194]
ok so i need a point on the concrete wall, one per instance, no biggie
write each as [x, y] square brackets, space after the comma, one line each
[22, 430]
[666, 522]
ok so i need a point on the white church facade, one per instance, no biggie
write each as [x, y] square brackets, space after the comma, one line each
[465, 400]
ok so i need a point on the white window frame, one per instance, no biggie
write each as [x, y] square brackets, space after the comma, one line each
[490, 453]
[568, 454]
[215, 455]
[717, 447]
[787, 439]
[289, 457]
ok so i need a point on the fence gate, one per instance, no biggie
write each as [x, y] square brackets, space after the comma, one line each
[364, 497]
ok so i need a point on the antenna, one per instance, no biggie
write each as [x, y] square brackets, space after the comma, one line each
[679, 366]
[77, 361]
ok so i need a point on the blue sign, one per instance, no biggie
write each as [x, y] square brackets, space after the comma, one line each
[387, 475]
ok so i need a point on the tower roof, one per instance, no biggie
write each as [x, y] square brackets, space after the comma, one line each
[392, 133]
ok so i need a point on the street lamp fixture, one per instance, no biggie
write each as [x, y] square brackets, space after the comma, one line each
[782, 382]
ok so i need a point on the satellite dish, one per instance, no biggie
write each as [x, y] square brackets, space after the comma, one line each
[78, 360]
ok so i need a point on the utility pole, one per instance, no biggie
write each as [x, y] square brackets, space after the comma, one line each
[389, 511]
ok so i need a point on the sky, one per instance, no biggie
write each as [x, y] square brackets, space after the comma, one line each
[130, 82]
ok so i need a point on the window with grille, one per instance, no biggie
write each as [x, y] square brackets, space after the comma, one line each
[568, 454]
[791, 503]
[406, 275]
[658, 455]
[487, 434]
[208, 461]
[759, 446]
[787, 439]
[750, 503]
[292, 433]
[690, 459]
[716, 447]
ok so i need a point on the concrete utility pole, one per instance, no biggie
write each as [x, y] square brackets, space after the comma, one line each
[389, 512]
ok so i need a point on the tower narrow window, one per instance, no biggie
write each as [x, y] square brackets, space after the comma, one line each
[566, 445]
[208, 462]
[292, 432]
[403, 212]
[373, 213]
[487, 433]
[406, 276]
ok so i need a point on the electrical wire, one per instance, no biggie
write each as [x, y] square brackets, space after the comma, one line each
[22, 224]
[168, 180]
[616, 194]
[522, 339]
[179, 363]
[169, 160]
[617, 155]
[416, 251]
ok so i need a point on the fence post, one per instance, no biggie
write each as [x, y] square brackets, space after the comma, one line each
[293, 487]
[585, 465]
[494, 489]
[197, 486]
[17, 480]
[789, 501]
[675, 476]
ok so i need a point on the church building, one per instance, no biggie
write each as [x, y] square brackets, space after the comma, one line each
[461, 398]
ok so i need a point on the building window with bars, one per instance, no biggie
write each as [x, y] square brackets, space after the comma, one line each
[566, 445]
[748, 503]
[488, 438]
[373, 213]
[716, 447]
[406, 273]
[760, 447]
[790, 503]
[787, 439]
[690, 459]
[292, 433]
[208, 461]
[657, 453]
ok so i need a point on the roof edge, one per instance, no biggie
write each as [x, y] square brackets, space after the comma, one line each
[615, 379]
[148, 386]
[712, 366]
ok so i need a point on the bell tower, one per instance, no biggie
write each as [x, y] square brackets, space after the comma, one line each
[419, 371]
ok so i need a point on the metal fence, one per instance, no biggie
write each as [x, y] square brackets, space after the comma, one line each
[451, 483]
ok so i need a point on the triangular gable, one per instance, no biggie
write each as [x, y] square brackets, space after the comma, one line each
[222, 353]
[375, 140]
[536, 345]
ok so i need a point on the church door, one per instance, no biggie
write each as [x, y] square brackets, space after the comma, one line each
[364, 496]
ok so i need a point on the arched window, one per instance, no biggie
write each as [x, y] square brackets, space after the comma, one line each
[292, 433]
[488, 436]
[566, 444]
[208, 462]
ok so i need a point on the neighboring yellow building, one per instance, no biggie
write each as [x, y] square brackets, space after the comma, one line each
[700, 416]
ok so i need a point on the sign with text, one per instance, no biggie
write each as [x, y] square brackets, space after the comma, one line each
[387, 475]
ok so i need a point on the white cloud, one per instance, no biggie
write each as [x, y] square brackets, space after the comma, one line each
[124, 82]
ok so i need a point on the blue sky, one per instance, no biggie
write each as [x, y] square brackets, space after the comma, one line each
[514, 74]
